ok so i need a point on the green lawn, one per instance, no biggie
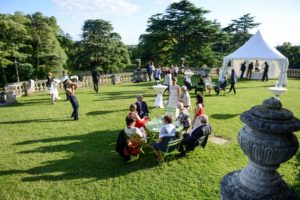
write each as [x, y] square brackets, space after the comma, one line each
[46, 155]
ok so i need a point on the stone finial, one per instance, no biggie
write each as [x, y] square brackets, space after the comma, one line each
[268, 140]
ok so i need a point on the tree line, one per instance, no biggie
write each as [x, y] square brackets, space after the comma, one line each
[32, 45]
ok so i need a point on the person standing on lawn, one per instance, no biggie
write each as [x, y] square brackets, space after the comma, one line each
[233, 81]
[71, 92]
[96, 78]
[265, 74]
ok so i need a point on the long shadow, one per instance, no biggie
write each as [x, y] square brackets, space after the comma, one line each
[117, 97]
[144, 84]
[90, 156]
[296, 186]
[103, 112]
[223, 116]
[36, 120]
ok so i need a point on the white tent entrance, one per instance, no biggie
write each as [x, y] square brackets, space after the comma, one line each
[256, 48]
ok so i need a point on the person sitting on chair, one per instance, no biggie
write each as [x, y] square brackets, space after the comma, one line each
[133, 114]
[166, 134]
[188, 83]
[222, 85]
[141, 107]
[200, 86]
[198, 136]
[129, 139]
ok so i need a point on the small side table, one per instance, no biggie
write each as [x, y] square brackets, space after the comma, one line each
[159, 89]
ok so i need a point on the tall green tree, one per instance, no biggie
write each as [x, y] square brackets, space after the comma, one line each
[69, 47]
[29, 42]
[181, 32]
[101, 48]
[14, 39]
[47, 52]
[238, 31]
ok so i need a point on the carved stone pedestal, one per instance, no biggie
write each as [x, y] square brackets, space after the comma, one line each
[268, 140]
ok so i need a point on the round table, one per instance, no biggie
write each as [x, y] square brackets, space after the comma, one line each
[156, 124]
[159, 89]
[189, 74]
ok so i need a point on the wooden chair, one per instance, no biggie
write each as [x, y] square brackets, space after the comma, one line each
[172, 150]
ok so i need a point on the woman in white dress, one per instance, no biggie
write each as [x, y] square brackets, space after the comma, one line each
[174, 94]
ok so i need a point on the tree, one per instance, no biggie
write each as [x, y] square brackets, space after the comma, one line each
[238, 31]
[14, 38]
[46, 47]
[292, 53]
[29, 40]
[101, 48]
[69, 47]
[182, 32]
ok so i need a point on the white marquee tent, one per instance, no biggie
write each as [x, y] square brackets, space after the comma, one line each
[256, 48]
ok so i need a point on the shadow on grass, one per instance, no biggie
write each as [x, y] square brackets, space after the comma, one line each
[142, 84]
[36, 120]
[103, 112]
[91, 155]
[296, 187]
[116, 96]
[223, 116]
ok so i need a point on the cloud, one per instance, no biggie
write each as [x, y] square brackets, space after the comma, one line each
[93, 8]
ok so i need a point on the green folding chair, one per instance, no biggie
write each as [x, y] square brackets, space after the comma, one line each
[171, 151]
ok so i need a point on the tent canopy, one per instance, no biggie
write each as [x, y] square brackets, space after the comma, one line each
[256, 48]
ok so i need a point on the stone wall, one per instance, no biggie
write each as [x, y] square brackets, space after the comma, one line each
[24, 87]
[293, 73]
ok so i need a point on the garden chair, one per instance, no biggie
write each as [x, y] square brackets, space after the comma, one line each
[172, 150]
[200, 88]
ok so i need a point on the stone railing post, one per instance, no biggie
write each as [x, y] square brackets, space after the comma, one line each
[116, 79]
[268, 140]
[10, 91]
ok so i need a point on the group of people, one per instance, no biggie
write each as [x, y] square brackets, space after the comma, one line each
[134, 135]
[256, 67]
[157, 72]
[69, 88]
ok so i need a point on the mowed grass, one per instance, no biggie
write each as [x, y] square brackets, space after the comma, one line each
[46, 155]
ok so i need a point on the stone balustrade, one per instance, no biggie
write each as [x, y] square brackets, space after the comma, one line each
[293, 73]
[21, 88]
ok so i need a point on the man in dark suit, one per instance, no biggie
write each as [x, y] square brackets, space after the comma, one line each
[96, 78]
[141, 106]
[265, 74]
[243, 69]
[198, 136]
[249, 70]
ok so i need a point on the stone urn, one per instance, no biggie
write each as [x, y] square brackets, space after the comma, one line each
[268, 140]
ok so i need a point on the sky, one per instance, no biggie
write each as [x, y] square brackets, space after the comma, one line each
[279, 19]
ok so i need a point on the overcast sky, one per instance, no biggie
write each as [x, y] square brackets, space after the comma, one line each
[279, 19]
